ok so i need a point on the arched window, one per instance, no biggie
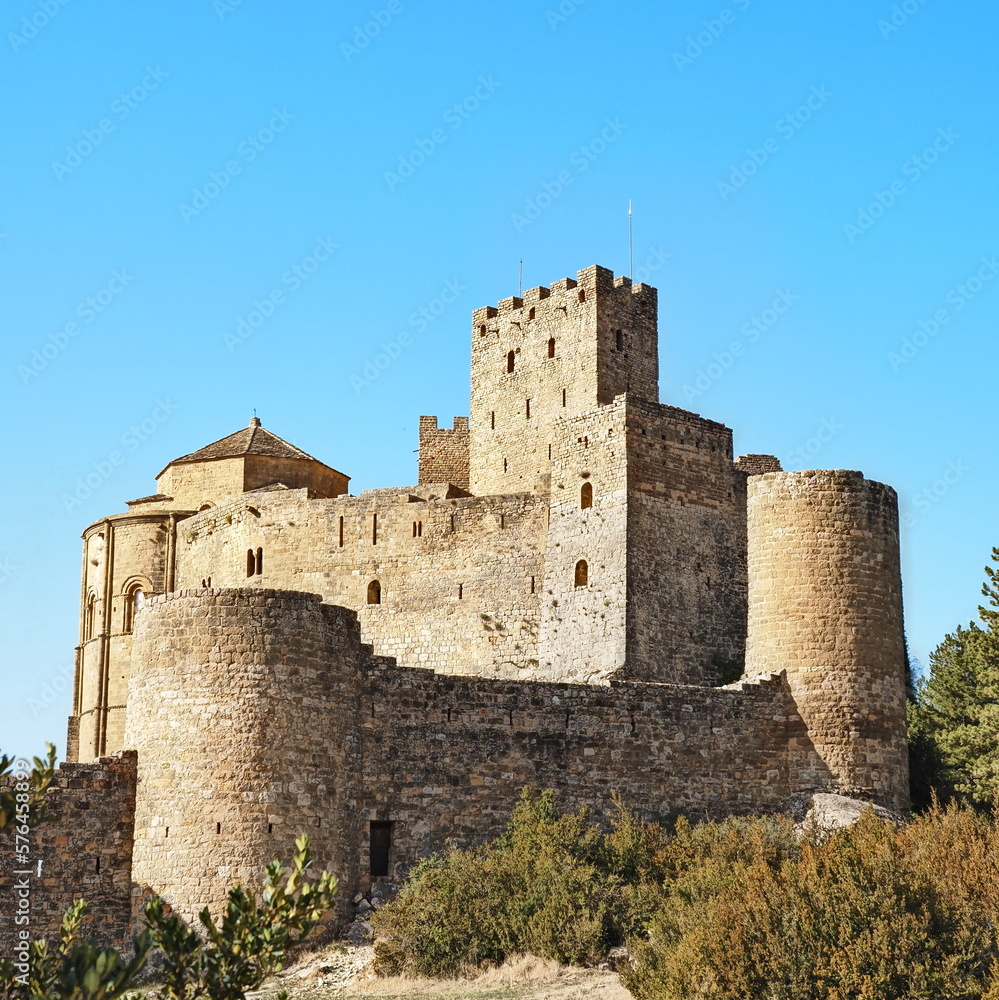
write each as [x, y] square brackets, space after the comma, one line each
[582, 573]
[586, 496]
[551, 347]
[582, 295]
[259, 562]
[510, 359]
[135, 597]
[90, 616]
[619, 340]
[374, 592]
[207, 505]
[251, 562]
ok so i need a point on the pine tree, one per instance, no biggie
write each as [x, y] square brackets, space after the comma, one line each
[954, 720]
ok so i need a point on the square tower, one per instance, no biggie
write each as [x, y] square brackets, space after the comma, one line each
[556, 353]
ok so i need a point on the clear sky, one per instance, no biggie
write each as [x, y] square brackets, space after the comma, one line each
[815, 196]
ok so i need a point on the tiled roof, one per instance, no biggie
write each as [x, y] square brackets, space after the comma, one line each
[252, 440]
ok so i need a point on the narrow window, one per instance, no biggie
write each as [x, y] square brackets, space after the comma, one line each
[527, 408]
[414, 529]
[582, 573]
[532, 313]
[582, 295]
[90, 617]
[482, 330]
[97, 866]
[270, 827]
[341, 532]
[419, 529]
[619, 338]
[504, 465]
[532, 585]
[509, 361]
[492, 420]
[218, 828]
[461, 591]
[374, 592]
[502, 520]
[563, 397]
[586, 496]
[134, 599]
[259, 562]
[251, 562]
[551, 347]
[549, 453]
[452, 524]
[167, 834]
[381, 846]
[374, 529]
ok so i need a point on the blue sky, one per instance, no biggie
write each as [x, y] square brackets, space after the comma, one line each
[172, 172]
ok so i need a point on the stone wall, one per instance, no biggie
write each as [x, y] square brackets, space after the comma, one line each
[686, 548]
[444, 758]
[82, 849]
[444, 452]
[458, 579]
[825, 603]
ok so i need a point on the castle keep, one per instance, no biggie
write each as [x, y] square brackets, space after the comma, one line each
[585, 591]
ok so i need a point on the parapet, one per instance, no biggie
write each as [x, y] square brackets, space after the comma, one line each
[757, 465]
[590, 281]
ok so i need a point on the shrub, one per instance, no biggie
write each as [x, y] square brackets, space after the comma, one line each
[870, 912]
[552, 885]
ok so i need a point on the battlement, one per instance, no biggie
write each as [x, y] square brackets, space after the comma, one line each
[594, 279]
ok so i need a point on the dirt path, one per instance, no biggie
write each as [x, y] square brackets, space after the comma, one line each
[346, 975]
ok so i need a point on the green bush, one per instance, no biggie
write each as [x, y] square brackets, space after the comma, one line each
[552, 885]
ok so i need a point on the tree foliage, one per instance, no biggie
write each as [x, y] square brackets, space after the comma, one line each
[954, 718]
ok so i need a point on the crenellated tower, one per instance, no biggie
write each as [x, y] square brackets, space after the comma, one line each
[557, 352]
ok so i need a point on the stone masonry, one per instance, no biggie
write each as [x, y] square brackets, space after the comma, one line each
[584, 591]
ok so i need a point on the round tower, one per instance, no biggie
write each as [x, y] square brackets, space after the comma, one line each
[825, 605]
[234, 704]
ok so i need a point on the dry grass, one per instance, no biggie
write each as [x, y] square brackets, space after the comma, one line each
[523, 977]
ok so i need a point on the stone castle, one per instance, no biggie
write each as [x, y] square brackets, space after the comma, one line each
[585, 591]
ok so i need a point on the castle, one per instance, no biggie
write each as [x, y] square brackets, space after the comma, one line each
[585, 591]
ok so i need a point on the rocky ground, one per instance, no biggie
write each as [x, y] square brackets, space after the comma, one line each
[344, 972]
